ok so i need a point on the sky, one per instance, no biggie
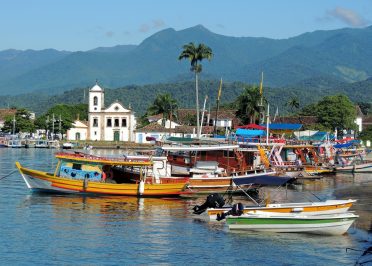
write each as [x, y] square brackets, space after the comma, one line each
[81, 25]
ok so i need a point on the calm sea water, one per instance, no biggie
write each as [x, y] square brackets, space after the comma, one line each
[73, 230]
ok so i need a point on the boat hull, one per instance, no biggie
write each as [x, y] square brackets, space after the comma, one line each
[358, 168]
[42, 181]
[336, 224]
[309, 208]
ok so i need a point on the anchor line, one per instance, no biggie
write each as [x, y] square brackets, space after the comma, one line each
[5, 176]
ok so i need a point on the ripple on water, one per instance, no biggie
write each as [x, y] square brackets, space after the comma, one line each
[63, 229]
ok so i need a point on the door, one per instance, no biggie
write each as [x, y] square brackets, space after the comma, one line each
[116, 135]
[77, 136]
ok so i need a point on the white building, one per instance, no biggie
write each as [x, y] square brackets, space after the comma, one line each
[78, 131]
[114, 123]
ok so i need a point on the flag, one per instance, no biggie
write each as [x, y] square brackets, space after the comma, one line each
[261, 84]
[219, 91]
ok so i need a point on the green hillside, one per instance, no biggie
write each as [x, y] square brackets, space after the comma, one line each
[139, 98]
[342, 55]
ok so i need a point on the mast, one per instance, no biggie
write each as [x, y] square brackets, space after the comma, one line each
[53, 127]
[267, 124]
[14, 121]
[202, 118]
[217, 107]
[261, 107]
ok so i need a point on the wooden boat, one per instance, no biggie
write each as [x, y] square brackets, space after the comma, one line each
[209, 164]
[356, 167]
[81, 173]
[200, 180]
[328, 224]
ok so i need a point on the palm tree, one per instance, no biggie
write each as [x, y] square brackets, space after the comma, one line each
[195, 54]
[293, 103]
[249, 104]
[164, 104]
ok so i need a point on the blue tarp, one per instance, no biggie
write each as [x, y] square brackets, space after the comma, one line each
[248, 133]
[268, 180]
[347, 144]
[284, 126]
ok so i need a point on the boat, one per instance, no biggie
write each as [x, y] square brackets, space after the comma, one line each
[15, 143]
[349, 157]
[325, 224]
[67, 145]
[41, 144]
[209, 164]
[309, 208]
[87, 174]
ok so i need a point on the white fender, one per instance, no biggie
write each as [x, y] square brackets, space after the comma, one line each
[141, 187]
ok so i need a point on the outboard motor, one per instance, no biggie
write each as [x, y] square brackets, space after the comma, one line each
[214, 200]
[236, 210]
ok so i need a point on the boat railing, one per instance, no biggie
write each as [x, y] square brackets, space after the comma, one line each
[80, 155]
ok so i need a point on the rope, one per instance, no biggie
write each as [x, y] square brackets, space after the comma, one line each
[5, 176]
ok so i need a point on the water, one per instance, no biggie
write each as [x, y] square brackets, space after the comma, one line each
[47, 229]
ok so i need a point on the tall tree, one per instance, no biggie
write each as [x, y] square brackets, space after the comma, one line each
[293, 103]
[22, 123]
[248, 104]
[336, 112]
[195, 54]
[164, 104]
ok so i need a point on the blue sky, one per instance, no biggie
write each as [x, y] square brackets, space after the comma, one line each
[86, 24]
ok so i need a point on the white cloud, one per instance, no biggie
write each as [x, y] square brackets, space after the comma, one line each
[154, 25]
[347, 16]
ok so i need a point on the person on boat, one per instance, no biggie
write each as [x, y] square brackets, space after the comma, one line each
[107, 174]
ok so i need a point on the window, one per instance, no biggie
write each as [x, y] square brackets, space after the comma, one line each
[116, 122]
[77, 136]
[76, 166]
[95, 122]
[124, 122]
[108, 124]
[95, 100]
[95, 133]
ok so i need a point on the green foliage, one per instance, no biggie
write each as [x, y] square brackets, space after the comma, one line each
[293, 103]
[164, 104]
[366, 134]
[334, 112]
[64, 116]
[196, 53]
[366, 108]
[23, 123]
[248, 104]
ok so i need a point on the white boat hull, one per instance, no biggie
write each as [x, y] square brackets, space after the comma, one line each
[332, 224]
[338, 228]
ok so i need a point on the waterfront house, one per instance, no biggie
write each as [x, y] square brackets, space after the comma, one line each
[78, 131]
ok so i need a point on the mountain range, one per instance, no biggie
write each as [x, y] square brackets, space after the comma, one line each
[338, 56]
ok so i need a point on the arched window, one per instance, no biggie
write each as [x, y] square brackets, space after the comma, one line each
[95, 100]
[77, 136]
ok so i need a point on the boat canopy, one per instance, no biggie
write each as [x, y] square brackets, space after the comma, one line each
[265, 180]
[249, 132]
[78, 157]
[280, 126]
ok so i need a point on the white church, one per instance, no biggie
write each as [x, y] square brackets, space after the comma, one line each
[114, 123]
